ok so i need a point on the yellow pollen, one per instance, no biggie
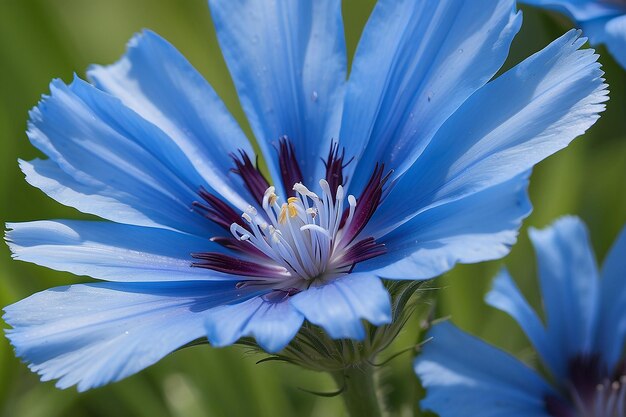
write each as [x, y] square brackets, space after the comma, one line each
[289, 208]
[282, 217]
[272, 199]
[293, 210]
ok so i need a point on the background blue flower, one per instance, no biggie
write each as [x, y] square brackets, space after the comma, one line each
[603, 21]
[581, 344]
[136, 145]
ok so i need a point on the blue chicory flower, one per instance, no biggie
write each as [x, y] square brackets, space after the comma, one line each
[582, 343]
[437, 153]
[602, 21]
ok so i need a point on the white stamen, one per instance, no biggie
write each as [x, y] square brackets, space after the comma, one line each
[302, 233]
[317, 229]
[352, 204]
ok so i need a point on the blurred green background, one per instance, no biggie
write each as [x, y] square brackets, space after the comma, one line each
[40, 40]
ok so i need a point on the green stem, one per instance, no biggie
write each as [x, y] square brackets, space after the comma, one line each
[361, 393]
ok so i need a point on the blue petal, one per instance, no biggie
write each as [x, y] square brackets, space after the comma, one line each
[506, 296]
[94, 334]
[416, 63]
[110, 251]
[464, 376]
[504, 129]
[272, 324]
[611, 335]
[288, 62]
[477, 228]
[102, 152]
[340, 305]
[579, 10]
[159, 84]
[611, 32]
[569, 285]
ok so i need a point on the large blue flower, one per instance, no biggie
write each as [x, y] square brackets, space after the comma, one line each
[435, 151]
[603, 21]
[582, 344]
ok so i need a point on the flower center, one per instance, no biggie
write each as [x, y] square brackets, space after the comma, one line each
[286, 244]
[306, 236]
[591, 392]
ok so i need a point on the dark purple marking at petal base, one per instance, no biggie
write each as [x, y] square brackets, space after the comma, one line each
[289, 167]
[237, 266]
[252, 177]
[363, 250]
[557, 407]
[335, 165]
[237, 245]
[367, 203]
[217, 210]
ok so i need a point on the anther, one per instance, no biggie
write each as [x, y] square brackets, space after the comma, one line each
[339, 195]
[282, 217]
[293, 209]
[311, 211]
[325, 187]
[302, 190]
[269, 197]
